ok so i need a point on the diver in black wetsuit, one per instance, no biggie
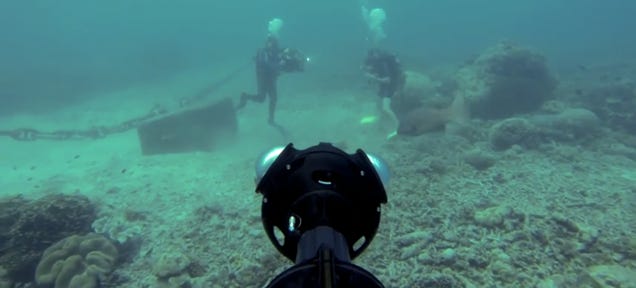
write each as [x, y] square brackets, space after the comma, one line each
[385, 69]
[271, 61]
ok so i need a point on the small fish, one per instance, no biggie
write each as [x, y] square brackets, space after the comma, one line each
[424, 119]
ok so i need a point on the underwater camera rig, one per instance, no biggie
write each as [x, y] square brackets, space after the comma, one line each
[292, 60]
[321, 208]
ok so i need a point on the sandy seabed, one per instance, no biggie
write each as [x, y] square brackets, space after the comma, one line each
[561, 215]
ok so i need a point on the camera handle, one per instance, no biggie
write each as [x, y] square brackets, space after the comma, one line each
[323, 261]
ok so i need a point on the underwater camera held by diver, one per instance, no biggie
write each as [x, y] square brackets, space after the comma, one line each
[321, 208]
[292, 60]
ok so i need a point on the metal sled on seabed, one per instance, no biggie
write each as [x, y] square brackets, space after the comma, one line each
[202, 128]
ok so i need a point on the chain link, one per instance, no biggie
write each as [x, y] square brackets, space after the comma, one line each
[97, 132]
[29, 134]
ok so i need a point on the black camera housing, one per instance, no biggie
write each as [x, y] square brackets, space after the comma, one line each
[292, 60]
[326, 204]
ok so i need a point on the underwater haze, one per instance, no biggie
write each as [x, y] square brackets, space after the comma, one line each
[54, 52]
[133, 135]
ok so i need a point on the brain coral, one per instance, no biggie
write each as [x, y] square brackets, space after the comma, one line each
[77, 261]
[28, 227]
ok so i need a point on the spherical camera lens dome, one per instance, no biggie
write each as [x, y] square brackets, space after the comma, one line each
[381, 168]
[265, 161]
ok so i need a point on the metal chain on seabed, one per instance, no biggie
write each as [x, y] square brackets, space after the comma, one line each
[30, 134]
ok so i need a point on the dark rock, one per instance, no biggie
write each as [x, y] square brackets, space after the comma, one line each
[614, 104]
[506, 80]
[27, 228]
[513, 131]
[480, 160]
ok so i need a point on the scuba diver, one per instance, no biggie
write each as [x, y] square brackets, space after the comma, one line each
[270, 62]
[384, 69]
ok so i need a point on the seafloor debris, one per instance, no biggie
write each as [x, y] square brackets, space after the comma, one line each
[570, 125]
[517, 247]
[614, 103]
